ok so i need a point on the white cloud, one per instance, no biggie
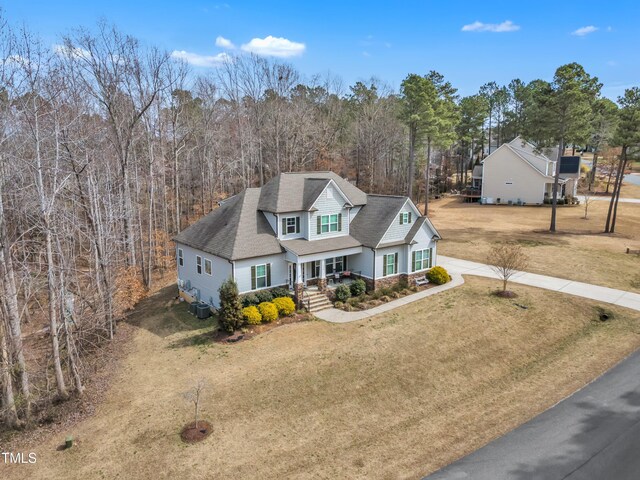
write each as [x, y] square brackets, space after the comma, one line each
[200, 60]
[274, 47]
[582, 31]
[224, 42]
[506, 26]
[64, 50]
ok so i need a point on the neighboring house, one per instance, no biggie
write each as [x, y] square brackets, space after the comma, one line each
[516, 172]
[297, 230]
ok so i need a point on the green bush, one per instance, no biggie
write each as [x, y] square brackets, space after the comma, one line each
[264, 296]
[251, 315]
[284, 305]
[386, 291]
[358, 287]
[338, 304]
[268, 311]
[279, 292]
[250, 299]
[438, 275]
[230, 306]
[343, 293]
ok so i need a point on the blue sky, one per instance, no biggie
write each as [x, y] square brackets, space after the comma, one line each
[357, 40]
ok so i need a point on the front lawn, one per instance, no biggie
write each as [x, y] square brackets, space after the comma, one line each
[394, 396]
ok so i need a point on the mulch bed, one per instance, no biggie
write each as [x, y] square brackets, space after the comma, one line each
[220, 336]
[191, 434]
[507, 294]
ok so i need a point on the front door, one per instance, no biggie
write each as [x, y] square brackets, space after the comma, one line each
[292, 275]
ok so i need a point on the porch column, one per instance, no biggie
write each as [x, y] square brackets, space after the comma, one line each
[298, 287]
[322, 279]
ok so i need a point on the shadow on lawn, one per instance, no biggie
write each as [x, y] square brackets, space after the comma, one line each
[162, 315]
[614, 458]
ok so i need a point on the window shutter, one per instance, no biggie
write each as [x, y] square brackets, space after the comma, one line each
[297, 224]
[410, 216]
[319, 224]
[395, 262]
[284, 226]
[340, 222]
[268, 274]
[413, 261]
[384, 265]
[253, 277]
[401, 218]
[430, 257]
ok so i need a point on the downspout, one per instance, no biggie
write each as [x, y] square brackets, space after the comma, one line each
[374, 268]
[233, 270]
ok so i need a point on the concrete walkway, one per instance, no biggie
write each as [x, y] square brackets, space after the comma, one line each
[586, 290]
[336, 315]
[608, 199]
[457, 268]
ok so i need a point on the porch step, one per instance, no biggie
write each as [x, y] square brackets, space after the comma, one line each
[317, 301]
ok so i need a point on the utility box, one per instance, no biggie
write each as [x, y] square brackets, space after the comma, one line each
[193, 308]
[203, 311]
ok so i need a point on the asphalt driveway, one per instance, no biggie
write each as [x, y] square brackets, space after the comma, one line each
[593, 434]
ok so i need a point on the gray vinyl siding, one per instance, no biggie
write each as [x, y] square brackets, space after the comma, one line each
[279, 274]
[354, 211]
[362, 262]
[207, 285]
[402, 260]
[271, 218]
[304, 217]
[397, 232]
[328, 206]
[423, 241]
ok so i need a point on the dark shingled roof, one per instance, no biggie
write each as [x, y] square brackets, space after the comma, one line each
[292, 192]
[302, 246]
[233, 231]
[372, 221]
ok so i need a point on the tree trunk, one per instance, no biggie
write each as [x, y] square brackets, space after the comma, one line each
[8, 400]
[556, 180]
[412, 163]
[616, 186]
[618, 190]
[426, 179]
[594, 164]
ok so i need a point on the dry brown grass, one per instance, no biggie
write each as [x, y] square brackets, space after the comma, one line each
[395, 396]
[579, 251]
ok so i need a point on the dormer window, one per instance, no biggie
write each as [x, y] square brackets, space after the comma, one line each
[290, 225]
[329, 223]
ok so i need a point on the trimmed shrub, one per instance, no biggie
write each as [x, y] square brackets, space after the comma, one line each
[386, 291]
[284, 305]
[249, 300]
[343, 293]
[264, 296]
[230, 306]
[338, 304]
[279, 292]
[438, 275]
[385, 298]
[395, 295]
[358, 287]
[268, 311]
[252, 315]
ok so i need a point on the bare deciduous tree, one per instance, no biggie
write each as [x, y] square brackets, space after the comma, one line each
[506, 259]
[194, 396]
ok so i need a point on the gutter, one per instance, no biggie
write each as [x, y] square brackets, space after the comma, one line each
[233, 269]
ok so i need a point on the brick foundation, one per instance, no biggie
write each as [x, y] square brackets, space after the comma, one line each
[322, 284]
[312, 281]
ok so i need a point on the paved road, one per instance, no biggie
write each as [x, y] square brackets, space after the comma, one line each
[608, 199]
[586, 290]
[592, 435]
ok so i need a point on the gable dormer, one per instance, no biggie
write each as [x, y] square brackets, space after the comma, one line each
[329, 213]
[402, 223]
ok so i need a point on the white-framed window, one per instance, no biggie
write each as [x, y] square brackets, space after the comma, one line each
[180, 257]
[335, 265]
[329, 223]
[290, 225]
[389, 264]
[207, 266]
[315, 269]
[422, 259]
[260, 276]
[405, 217]
[199, 264]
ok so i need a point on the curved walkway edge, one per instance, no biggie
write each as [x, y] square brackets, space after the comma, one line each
[457, 268]
[335, 315]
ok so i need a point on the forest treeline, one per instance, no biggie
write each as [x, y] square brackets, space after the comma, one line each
[109, 147]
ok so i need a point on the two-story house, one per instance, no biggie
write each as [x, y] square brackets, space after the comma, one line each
[300, 229]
